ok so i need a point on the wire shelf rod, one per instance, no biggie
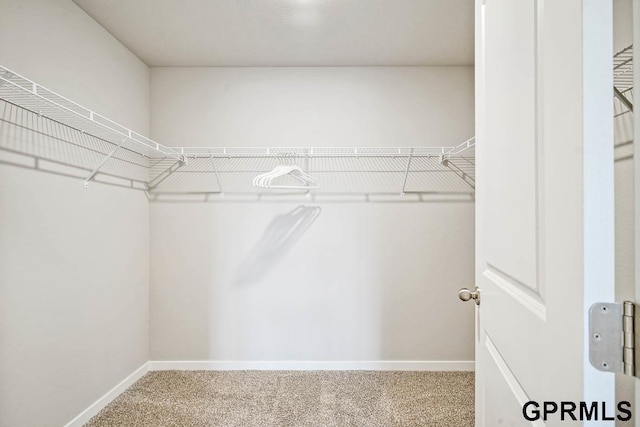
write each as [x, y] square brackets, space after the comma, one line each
[355, 152]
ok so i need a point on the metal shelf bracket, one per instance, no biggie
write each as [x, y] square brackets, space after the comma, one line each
[102, 163]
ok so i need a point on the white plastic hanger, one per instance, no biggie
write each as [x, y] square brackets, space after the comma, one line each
[265, 180]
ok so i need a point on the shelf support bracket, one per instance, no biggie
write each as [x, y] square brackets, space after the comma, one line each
[464, 176]
[623, 99]
[406, 173]
[102, 163]
[165, 174]
[215, 171]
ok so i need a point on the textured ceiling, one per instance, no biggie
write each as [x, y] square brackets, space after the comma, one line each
[290, 32]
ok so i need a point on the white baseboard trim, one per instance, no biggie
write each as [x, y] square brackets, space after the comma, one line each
[284, 365]
[294, 365]
[97, 406]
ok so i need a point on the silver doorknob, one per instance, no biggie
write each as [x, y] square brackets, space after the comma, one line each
[465, 295]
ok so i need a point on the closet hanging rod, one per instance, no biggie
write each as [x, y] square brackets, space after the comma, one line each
[31, 96]
[320, 152]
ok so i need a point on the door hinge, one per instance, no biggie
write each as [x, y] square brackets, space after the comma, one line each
[612, 337]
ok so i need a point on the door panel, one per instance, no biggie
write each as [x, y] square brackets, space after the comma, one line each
[511, 157]
[541, 121]
[504, 396]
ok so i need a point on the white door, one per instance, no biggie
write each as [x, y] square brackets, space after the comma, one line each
[544, 203]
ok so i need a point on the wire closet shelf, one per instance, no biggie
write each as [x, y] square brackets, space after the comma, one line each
[43, 130]
[623, 80]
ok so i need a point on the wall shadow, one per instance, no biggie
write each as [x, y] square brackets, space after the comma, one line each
[280, 236]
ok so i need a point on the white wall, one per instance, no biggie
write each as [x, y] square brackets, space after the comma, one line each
[366, 281]
[73, 261]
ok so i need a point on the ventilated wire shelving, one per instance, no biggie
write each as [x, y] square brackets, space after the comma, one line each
[42, 130]
[623, 80]
[219, 172]
[623, 103]
[75, 136]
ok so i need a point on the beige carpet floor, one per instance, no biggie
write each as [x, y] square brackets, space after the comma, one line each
[294, 398]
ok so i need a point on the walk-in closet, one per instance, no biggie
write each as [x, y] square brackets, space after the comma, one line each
[263, 213]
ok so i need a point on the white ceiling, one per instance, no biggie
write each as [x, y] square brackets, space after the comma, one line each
[290, 32]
